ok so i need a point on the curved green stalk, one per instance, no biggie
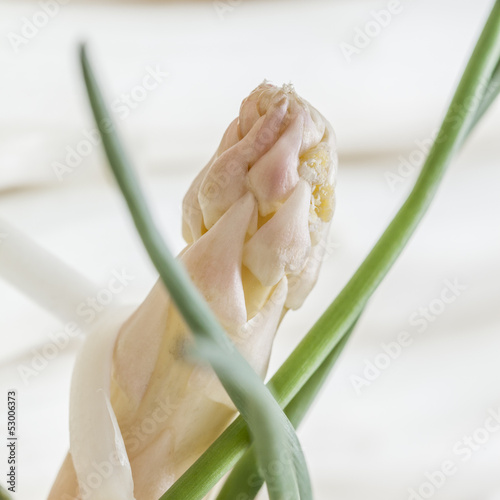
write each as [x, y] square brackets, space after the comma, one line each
[462, 115]
[352, 299]
[274, 437]
[244, 481]
[491, 93]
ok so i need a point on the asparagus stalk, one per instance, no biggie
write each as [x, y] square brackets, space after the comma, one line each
[255, 220]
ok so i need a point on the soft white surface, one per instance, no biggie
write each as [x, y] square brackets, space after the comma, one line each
[376, 444]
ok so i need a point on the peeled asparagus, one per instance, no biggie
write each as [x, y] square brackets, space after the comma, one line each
[255, 221]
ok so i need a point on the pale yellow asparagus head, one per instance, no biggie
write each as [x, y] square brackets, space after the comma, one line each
[277, 164]
[255, 221]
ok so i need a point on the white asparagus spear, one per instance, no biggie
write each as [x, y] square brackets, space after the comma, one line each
[255, 222]
[40, 275]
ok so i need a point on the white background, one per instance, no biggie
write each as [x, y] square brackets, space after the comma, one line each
[378, 443]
